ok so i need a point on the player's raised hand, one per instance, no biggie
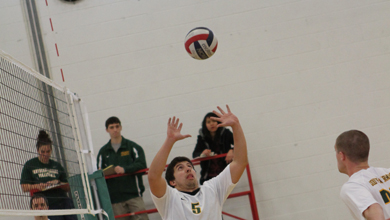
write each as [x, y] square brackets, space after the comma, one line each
[226, 118]
[174, 129]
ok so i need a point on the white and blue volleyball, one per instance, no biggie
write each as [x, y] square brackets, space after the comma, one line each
[200, 43]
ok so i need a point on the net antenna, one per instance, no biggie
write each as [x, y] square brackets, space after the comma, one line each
[30, 102]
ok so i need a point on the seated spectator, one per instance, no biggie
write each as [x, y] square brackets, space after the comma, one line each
[41, 172]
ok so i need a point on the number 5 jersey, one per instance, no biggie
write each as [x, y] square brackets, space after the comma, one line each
[204, 203]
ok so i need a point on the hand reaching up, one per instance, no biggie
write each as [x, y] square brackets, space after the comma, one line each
[226, 119]
[174, 129]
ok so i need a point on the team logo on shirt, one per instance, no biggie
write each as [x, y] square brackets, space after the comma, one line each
[195, 208]
[44, 172]
[375, 181]
[125, 153]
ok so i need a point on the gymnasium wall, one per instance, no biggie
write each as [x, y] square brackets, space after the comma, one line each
[14, 32]
[297, 73]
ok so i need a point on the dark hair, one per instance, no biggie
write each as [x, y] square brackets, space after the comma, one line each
[112, 120]
[37, 196]
[206, 132]
[354, 144]
[43, 139]
[170, 169]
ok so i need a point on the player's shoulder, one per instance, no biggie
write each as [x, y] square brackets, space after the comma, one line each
[362, 177]
[207, 186]
[379, 170]
[358, 177]
[173, 193]
[371, 172]
[211, 186]
[352, 187]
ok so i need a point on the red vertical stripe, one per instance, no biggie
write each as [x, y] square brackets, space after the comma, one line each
[51, 24]
[62, 74]
[57, 51]
[46, 2]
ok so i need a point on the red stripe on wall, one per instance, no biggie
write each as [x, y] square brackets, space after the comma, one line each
[62, 74]
[51, 24]
[57, 51]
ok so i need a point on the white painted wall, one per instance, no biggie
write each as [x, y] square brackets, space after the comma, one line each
[14, 32]
[296, 72]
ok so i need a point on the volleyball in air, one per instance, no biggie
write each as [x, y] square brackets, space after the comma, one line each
[200, 43]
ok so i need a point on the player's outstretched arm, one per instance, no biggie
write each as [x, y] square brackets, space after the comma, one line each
[374, 212]
[156, 181]
[240, 160]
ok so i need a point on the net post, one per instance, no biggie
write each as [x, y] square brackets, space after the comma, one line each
[86, 149]
[84, 174]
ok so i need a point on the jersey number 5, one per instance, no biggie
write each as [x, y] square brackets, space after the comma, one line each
[195, 208]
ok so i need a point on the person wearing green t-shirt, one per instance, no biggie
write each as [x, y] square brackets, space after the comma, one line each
[127, 157]
[41, 172]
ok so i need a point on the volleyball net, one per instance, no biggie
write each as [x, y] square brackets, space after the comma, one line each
[30, 102]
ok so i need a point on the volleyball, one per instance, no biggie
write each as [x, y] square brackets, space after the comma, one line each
[200, 43]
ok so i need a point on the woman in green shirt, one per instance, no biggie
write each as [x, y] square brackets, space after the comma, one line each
[41, 172]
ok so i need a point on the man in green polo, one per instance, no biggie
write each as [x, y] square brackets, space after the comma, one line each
[127, 157]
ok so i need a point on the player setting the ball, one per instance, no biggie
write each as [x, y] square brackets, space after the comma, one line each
[184, 198]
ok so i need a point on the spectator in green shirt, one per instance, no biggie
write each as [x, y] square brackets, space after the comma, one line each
[41, 172]
[127, 157]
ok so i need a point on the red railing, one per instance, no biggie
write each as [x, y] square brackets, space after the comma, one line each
[250, 192]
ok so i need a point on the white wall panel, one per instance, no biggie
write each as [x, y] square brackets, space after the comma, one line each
[296, 72]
